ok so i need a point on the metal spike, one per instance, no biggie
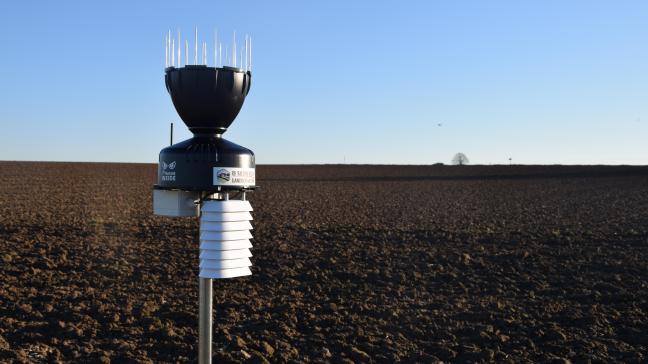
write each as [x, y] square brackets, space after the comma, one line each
[215, 48]
[172, 52]
[186, 52]
[234, 50]
[196, 48]
[204, 53]
[220, 54]
[166, 52]
[179, 49]
[250, 53]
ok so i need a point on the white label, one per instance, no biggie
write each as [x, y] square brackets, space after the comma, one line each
[226, 176]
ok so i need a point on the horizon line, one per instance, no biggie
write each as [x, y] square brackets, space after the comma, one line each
[435, 164]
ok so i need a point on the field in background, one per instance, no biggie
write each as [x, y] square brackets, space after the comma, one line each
[351, 263]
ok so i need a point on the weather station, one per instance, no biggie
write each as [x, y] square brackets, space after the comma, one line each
[208, 176]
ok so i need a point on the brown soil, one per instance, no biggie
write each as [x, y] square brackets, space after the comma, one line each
[351, 263]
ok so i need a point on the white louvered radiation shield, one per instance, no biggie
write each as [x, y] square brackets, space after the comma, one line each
[225, 239]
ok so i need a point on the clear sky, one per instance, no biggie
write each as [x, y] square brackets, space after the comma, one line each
[367, 82]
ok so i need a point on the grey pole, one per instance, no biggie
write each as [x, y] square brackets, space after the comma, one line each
[205, 324]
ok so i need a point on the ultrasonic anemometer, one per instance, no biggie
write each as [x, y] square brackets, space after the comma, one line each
[207, 175]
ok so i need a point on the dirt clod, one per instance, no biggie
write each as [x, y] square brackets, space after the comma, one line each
[267, 349]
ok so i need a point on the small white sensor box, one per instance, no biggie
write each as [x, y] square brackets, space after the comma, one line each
[175, 203]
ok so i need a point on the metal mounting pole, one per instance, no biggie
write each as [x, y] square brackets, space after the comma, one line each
[205, 324]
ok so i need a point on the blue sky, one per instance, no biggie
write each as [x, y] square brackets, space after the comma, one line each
[542, 82]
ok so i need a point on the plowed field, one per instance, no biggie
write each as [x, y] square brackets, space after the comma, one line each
[351, 264]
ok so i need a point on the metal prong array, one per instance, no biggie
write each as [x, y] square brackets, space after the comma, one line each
[241, 59]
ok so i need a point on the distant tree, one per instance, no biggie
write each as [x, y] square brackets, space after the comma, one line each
[459, 159]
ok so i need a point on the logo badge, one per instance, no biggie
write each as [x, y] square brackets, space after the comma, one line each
[168, 173]
[223, 175]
